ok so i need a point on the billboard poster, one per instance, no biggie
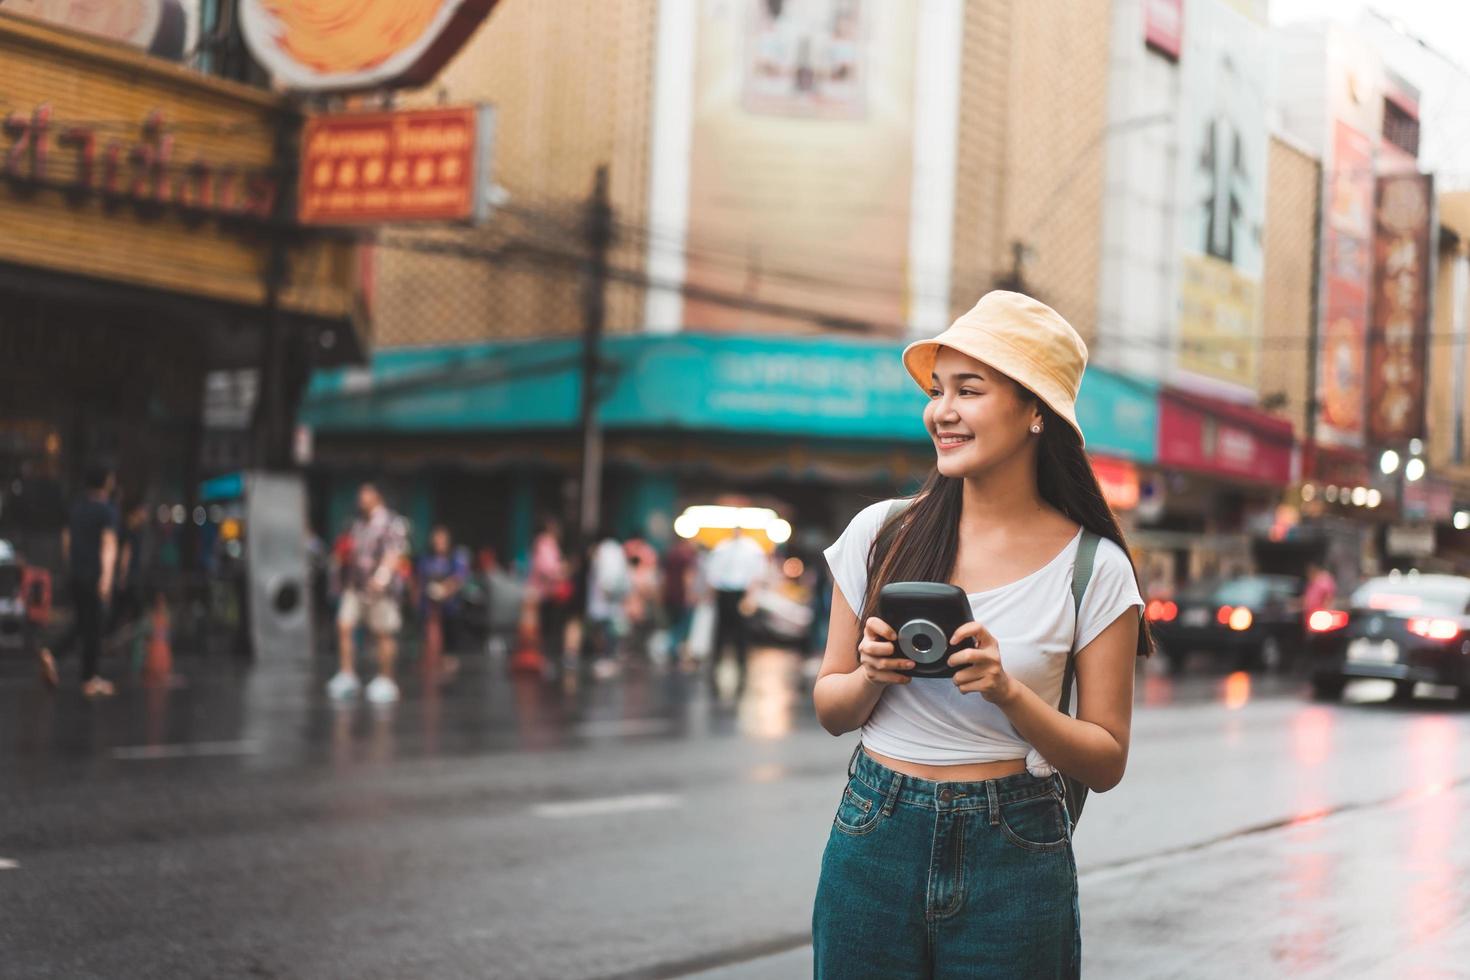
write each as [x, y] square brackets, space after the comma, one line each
[1402, 263]
[159, 27]
[801, 162]
[1347, 235]
[1224, 83]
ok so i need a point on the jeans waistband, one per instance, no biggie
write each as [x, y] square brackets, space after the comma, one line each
[978, 795]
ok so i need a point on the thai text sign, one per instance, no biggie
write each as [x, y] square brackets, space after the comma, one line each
[1400, 321]
[414, 165]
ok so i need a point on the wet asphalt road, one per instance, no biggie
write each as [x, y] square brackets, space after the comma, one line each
[242, 826]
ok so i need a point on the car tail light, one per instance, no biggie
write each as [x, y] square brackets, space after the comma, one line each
[1241, 619]
[1222, 615]
[1327, 620]
[1161, 611]
[1435, 629]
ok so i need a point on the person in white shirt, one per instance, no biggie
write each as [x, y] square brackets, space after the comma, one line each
[950, 854]
[736, 564]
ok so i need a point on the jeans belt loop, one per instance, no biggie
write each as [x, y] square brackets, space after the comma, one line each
[893, 787]
[994, 800]
[852, 761]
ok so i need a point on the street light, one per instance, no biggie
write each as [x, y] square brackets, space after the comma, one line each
[1388, 462]
[1462, 520]
[1414, 469]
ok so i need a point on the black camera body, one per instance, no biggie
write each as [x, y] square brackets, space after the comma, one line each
[925, 615]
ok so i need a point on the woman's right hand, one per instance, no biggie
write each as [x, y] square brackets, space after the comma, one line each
[875, 654]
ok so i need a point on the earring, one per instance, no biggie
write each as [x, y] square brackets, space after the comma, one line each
[1036, 429]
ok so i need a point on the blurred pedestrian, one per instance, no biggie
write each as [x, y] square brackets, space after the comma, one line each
[678, 583]
[608, 583]
[1321, 589]
[644, 603]
[551, 581]
[89, 548]
[136, 574]
[372, 587]
[733, 570]
[441, 577]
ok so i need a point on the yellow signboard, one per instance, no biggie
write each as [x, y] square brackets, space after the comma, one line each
[123, 167]
[1217, 321]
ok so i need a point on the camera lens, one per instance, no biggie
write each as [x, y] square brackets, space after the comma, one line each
[923, 643]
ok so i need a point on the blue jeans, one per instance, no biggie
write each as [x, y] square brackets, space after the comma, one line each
[927, 879]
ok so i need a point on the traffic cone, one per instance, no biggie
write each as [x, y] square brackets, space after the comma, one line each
[158, 666]
[527, 657]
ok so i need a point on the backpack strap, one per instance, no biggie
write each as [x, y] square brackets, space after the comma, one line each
[1081, 576]
[1074, 792]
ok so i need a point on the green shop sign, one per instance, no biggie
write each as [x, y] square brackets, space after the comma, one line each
[812, 387]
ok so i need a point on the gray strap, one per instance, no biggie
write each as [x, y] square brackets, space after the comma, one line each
[1081, 576]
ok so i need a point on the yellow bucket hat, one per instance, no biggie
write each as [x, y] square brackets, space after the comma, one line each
[1024, 339]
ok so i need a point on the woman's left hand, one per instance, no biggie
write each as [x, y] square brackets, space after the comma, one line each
[982, 672]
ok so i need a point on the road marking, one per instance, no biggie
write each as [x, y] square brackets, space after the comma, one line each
[607, 804]
[8, 865]
[185, 750]
[625, 727]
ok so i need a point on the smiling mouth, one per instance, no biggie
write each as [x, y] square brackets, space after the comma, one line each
[950, 441]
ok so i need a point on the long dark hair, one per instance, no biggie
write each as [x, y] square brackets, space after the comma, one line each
[921, 542]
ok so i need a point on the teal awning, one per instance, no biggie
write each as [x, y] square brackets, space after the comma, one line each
[814, 387]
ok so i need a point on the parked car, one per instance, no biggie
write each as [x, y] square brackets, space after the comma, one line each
[1407, 628]
[1253, 620]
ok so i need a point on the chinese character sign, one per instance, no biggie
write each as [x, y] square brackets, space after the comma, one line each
[415, 165]
[1400, 321]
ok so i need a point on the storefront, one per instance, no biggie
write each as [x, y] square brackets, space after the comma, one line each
[1222, 471]
[137, 222]
[484, 437]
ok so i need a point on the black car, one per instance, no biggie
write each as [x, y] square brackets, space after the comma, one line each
[1253, 620]
[1407, 628]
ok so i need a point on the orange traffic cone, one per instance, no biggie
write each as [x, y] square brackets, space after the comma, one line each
[158, 666]
[527, 657]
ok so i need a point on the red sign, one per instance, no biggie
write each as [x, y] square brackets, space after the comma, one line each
[1118, 480]
[415, 165]
[1163, 26]
[1403, 252]
[1198, 433]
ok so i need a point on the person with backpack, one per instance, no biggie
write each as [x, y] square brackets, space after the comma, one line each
[951, 851]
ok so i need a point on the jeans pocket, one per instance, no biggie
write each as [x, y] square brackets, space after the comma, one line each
[1038, 824]
[859, 811]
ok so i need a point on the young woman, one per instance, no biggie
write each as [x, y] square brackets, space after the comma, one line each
[951, 851]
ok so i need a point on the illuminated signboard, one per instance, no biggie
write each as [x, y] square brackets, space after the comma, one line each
[414, 165]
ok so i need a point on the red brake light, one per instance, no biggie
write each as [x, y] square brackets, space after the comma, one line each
[1161, 611]
[1327, 620]
[1435, 629]
[1222, 616]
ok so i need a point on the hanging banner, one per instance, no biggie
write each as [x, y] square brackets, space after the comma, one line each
[1403, 260]
[411, 165]
[1347, 253]
[1224, 73]
[341, 45]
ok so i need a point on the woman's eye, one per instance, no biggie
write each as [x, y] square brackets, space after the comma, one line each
[933, 392]
[968, 391]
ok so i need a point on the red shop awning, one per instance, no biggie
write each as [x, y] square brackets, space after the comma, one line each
[1209, 435]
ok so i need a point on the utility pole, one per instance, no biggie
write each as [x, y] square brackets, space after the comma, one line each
[597, 230]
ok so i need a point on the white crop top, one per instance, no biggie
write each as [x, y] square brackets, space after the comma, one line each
[929, 721]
